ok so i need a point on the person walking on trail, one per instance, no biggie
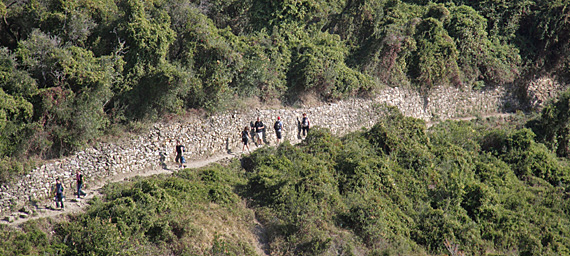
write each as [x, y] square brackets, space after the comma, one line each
[245, 138]
[259, 127]
[305, 124]
[58, 190]
[180, 160]
[79, 179]
[278, 126]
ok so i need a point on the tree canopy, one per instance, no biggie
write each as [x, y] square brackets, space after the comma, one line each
[70, 70]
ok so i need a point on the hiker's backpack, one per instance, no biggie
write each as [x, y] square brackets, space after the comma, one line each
[305, 122]
[59, 189]
[277, 125]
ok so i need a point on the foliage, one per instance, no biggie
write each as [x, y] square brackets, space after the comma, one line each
[396, 189]
[70, 70]
[552, 125]
[480, 56]
[405, 190]
[553, 29]
[110, 63]
[435, 60]
[148, 33]
[266, 14]
[319, 66]
[160, 215]
[73, 88]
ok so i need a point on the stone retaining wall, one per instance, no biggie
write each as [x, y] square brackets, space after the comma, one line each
[220, 134]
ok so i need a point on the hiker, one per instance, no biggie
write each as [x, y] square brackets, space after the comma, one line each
[259, 131]
[305, 124]
[79, 179]
[245, 138]
[180, 160]
[58, 191]
[278, 126]
[252, 133]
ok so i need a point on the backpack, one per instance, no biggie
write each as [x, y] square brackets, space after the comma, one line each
[58, 188]
[305, 121]
[277, 125]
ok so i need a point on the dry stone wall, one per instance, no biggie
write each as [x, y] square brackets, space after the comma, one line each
[220, 134]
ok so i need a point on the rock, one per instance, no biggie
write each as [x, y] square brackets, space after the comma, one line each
[25, 209]
[205, 137]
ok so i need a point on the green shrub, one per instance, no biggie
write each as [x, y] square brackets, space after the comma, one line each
[318, 65]
[493, 191]
[110, 63]
[435, 60]
[463, 134]
[10, 168]
[525, 156]
[551, 126]
[397, 131]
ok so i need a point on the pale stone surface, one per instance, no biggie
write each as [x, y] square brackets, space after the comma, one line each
[221, 134]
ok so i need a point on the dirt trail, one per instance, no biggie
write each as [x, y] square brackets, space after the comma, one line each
[468, 118]
[47, 208]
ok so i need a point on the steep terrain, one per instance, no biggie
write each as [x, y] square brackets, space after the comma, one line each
[46, 208]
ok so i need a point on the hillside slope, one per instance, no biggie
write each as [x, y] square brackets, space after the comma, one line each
[71, 71]
[397, 188]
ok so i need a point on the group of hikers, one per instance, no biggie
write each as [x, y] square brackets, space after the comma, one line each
[59, 187]
[259, 128]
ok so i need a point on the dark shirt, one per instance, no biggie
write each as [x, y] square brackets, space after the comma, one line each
[244, 134]
[58, 189]
[258, 126]
[80, 179]
[305, 122]
[179, 149]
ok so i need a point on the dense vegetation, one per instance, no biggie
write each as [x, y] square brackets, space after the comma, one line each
[72, 70]
[395, 189]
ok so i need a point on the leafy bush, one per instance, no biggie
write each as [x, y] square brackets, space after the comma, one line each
[478, 55]
[318, 65]
[396, 131]
[266, 62]
[427, 65]
[397, 188]
[527, 157]
[552, 125]
[110, 63]
[458, 186]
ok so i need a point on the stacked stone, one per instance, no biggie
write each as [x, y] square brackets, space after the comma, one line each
[220, 134]
[541, 90]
